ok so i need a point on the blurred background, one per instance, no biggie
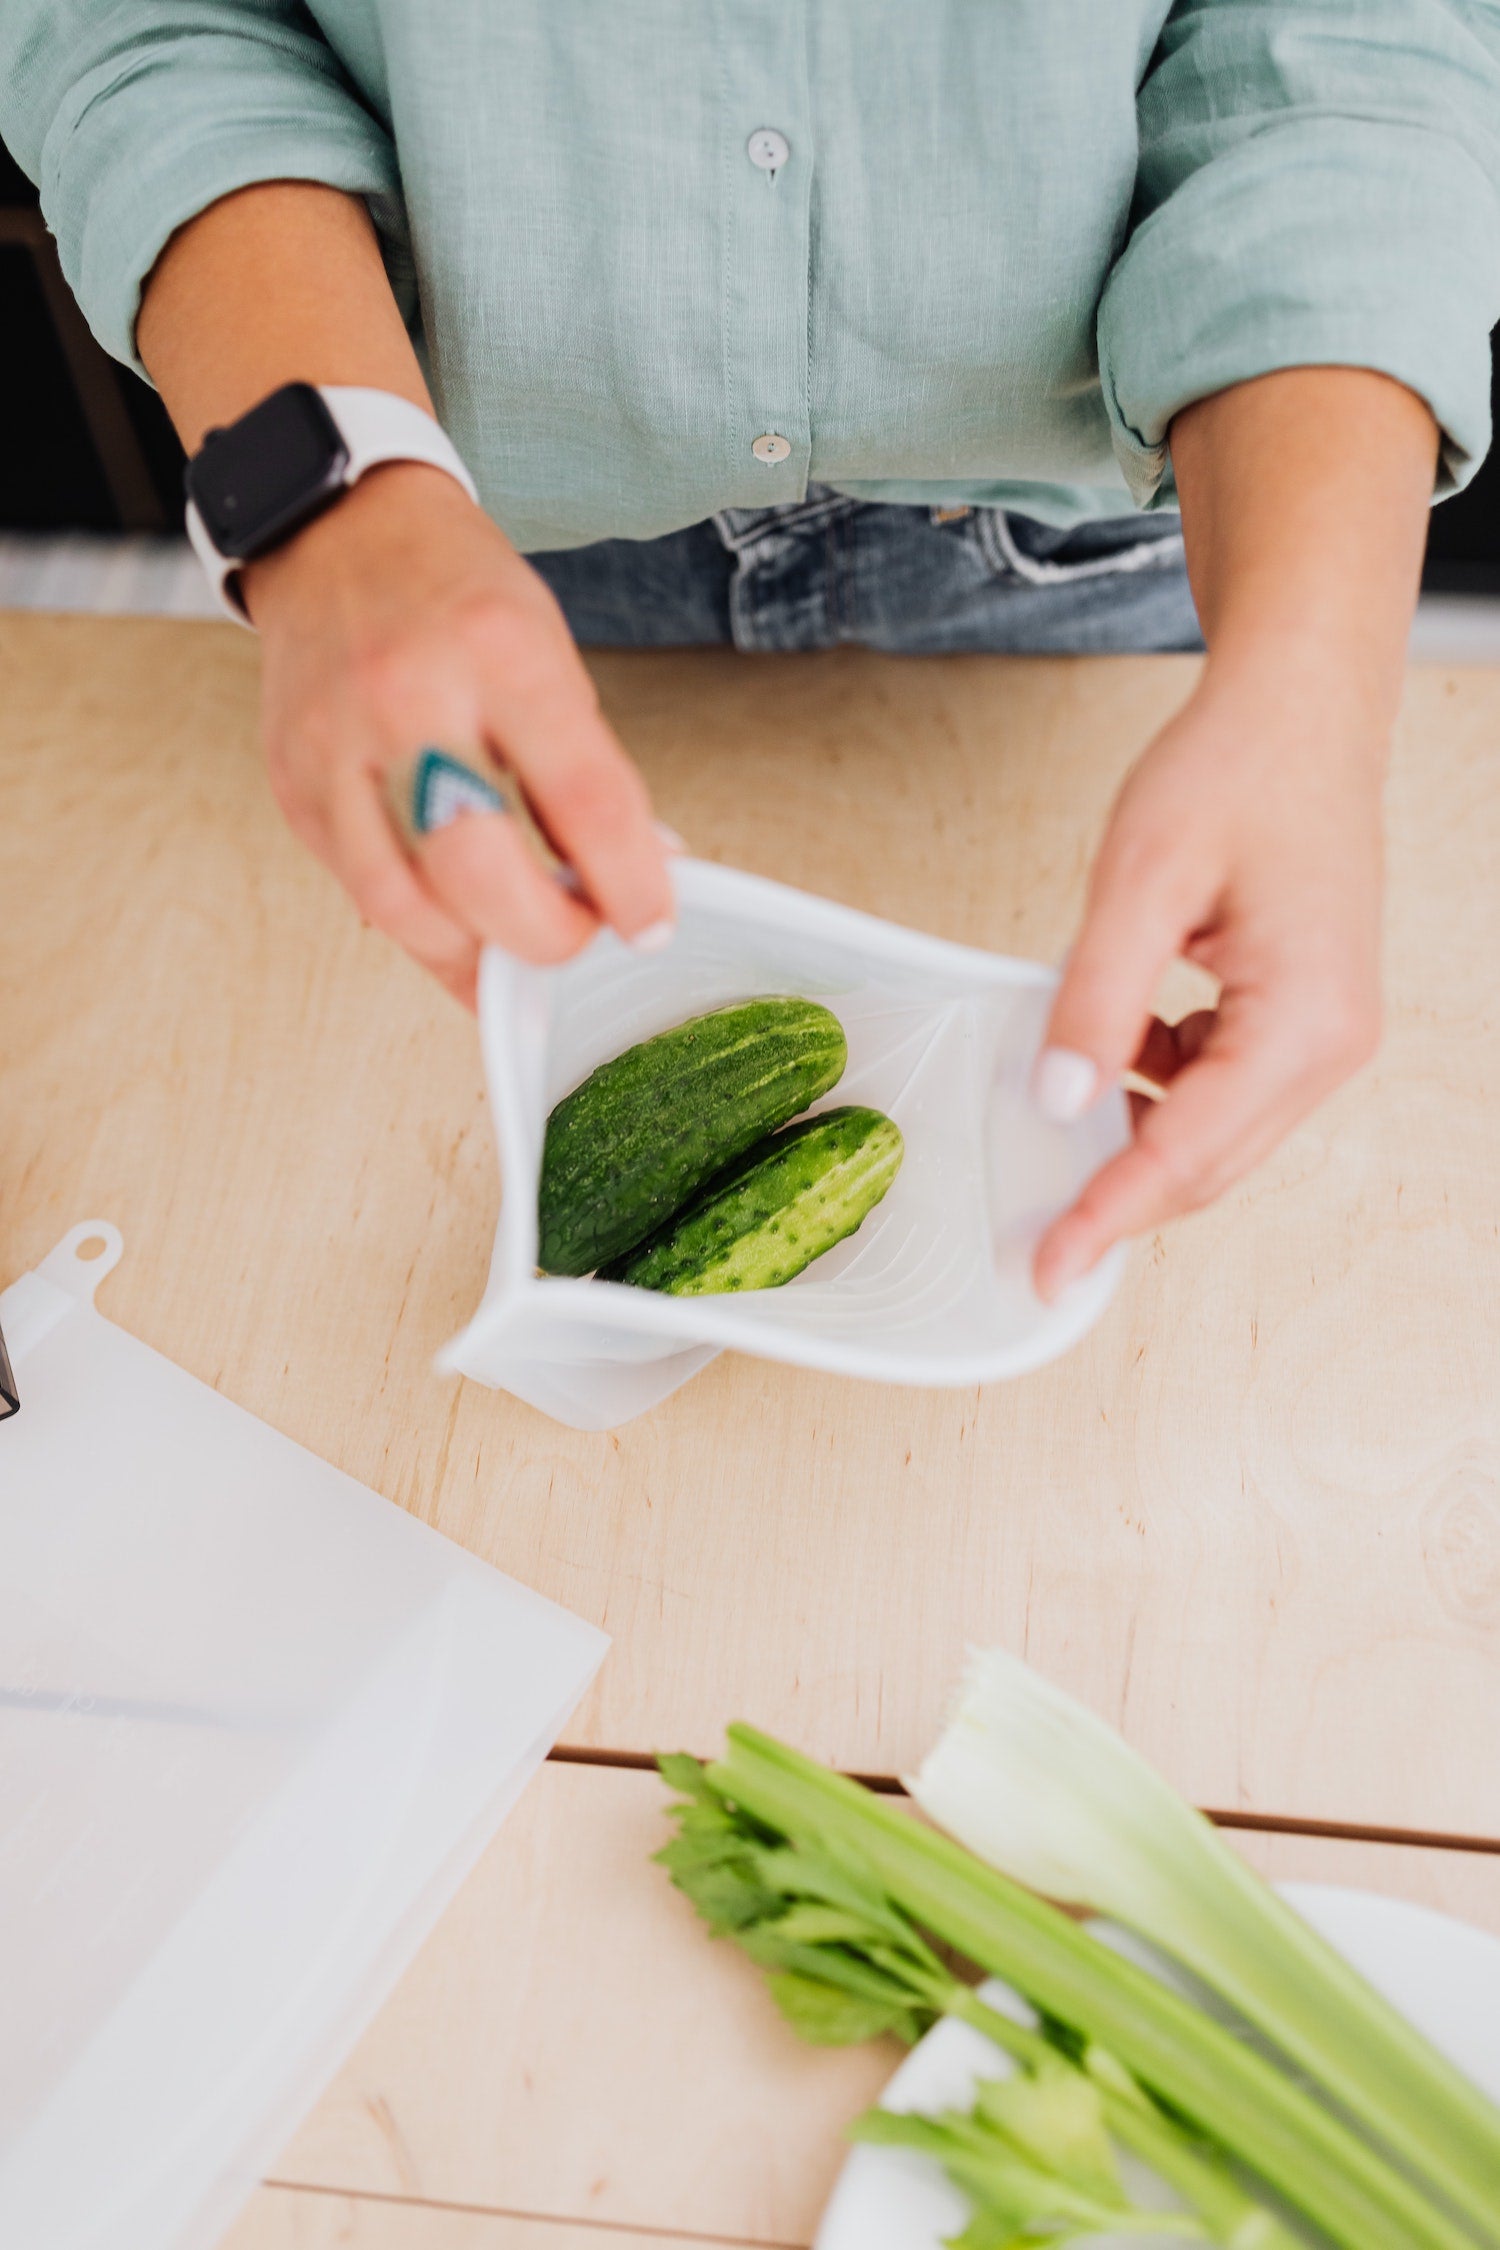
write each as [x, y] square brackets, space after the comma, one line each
[91, 495]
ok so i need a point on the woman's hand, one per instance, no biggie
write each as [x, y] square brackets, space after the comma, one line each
[403, 618]
[1247, 839]
[1248, 836]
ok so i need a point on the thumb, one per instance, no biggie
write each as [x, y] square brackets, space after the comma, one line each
[1134, 926]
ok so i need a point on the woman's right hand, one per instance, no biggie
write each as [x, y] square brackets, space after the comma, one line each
[404, 618]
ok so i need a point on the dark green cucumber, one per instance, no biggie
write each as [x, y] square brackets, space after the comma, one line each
[640, 1136]
[764, 1221]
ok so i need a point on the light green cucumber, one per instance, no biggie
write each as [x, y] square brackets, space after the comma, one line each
[765, 1220]
[642, 1134]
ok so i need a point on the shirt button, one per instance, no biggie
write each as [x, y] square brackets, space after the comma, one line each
[771, 448]
[767, 149]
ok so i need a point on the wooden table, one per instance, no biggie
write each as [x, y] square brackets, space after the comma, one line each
[1254, 1519]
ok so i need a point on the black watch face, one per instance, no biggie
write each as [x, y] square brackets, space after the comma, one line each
[268, 472]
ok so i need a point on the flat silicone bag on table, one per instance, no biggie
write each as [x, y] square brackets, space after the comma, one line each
[935, 1286]
[255, 1725]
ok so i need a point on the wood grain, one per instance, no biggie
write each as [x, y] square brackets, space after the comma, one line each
[569, 2042]
[1254, 1519]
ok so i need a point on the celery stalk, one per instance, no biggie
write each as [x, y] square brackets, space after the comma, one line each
[1232, 2218]
[1016, 2194]
[1232, 2093]
[1040, 1788]
[848, 1965]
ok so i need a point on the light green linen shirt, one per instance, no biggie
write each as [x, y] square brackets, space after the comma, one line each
[1009, 239]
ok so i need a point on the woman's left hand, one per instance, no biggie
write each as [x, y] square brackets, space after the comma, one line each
[1247, 838]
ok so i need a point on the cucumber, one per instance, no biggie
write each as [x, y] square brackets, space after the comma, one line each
[640, 1136]
[765, 1220]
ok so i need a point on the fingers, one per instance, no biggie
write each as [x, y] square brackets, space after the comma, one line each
[484, 872]
[1182, 1155]
[475, 881]
[1139, 915]
[1252, 1072]
[365, 853]
[477, 877]
[402, 618]
[1151, 894]
[1169, 1047]
[540, 712]
[1246, 841]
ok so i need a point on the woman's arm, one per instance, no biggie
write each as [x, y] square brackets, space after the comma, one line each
[1248, 836]
[402, 616]
[1312, 256]
[282, 282]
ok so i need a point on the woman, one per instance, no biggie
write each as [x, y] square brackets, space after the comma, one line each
[736, 277]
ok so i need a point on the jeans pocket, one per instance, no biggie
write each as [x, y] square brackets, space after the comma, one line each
[1020, 549]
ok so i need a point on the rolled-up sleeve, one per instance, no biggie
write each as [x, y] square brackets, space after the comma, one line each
[134, 115]
[1319, 185]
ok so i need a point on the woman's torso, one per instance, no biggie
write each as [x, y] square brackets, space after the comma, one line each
[616, 301]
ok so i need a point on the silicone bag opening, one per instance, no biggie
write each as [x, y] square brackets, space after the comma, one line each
[934, 1288]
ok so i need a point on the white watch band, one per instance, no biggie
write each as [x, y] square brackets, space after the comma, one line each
[375, 426]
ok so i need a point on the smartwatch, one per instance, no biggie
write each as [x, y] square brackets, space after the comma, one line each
[251, 485]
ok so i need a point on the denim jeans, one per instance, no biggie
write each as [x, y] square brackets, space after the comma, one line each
[915, 581]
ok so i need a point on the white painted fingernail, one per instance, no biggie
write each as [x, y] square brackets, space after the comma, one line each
[1063, 1084]
[1061, 1270]
[669, 837]
[655, 938]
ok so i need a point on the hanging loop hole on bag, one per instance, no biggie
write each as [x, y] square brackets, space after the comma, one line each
[86, 1253]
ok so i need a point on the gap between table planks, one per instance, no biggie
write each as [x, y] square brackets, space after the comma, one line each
[281, 2218]
[570, 2045]
[1254, 1520]
[1270, 1824]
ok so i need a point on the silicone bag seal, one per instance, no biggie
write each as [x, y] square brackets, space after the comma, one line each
[935, 1287]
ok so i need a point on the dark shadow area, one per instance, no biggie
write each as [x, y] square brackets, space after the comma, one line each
[1463, 547]
[90, 446]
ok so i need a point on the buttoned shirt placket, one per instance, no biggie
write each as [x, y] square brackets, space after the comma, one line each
[767, 171]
